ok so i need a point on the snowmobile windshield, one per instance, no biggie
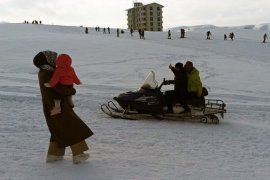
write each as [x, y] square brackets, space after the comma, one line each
[150, 82]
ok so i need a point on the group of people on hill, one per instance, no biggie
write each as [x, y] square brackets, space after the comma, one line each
[33, 22]
[209, 35]
[182, 33]
[118, 31]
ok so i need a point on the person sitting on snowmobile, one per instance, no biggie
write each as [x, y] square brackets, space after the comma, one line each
[180, 88]
[194, 85]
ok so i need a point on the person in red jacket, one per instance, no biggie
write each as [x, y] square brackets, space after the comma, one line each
[65, 75]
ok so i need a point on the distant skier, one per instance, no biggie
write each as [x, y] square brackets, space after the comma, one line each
[169, 34]
[117, 32]
[131, 32]
[86, 30]
[225, 37]
[104, 30]
[140, 33]
[182, 33]
[264, 38]
[232, 36]
[143, 34]
[208, 34]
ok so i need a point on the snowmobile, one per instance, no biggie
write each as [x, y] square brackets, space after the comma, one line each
[148, 102]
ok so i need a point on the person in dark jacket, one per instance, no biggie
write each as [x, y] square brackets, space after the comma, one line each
[169, 34]
[180, 88]
[140, 33]
[208, 34]
[66, 129]
[225, 37]
[131, 32]
[117, 32]
[232, 36]
[264, 38]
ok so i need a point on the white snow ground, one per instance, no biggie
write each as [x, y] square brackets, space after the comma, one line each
[234, 71]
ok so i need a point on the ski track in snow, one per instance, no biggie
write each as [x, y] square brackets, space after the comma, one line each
[237, 148]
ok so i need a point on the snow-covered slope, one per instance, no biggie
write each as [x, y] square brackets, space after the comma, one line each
[235, 71]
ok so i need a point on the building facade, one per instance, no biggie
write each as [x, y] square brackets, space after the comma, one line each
[147, 17]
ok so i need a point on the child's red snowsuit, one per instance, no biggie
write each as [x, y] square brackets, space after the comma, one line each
[64, 74]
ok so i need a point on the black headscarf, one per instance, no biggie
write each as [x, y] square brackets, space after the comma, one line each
[45, 60]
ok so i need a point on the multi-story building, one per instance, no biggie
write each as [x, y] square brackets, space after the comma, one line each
[147, 17]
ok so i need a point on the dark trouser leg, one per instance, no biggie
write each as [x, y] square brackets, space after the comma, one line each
[194, 100]
[64, 90]
[183, 102]
[169, 97]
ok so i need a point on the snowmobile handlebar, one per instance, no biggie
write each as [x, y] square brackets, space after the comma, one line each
[165, 82]
[159, 88]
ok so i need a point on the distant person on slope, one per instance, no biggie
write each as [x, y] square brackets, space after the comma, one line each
[65, 75]
[225, 37]
[117, 32]
[183, 32]
[264, 38]
[208, 34]
[232, 36]
[169, 34]
[143, 34]
[131, 32]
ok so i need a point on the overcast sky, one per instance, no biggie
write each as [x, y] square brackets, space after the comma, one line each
[113, 13]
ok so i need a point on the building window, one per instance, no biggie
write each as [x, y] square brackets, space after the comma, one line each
[151, 18]
[151, 23]
[152, 29]
[151, 8]
[158, 13]
[158, 18]
[158, 8]
[151, 13]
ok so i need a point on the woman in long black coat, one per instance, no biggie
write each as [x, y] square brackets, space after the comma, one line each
[66, 128]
